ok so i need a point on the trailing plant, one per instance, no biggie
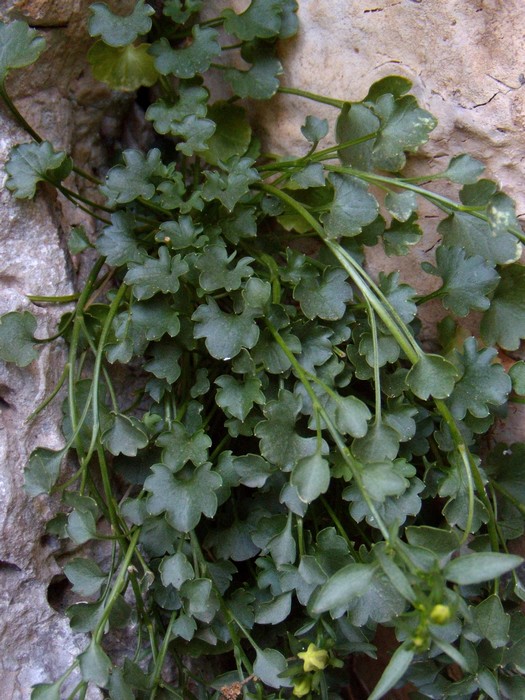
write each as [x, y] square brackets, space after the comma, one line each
[286, 468]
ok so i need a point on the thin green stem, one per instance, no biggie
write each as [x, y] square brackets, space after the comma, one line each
[118, 586]
[159, 663]
[66, 299]
[73, 345]
[313, 96]
[51, 396]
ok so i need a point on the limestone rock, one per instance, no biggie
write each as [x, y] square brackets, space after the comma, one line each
[63, 103]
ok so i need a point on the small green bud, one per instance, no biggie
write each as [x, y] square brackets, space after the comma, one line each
[440, 614]
[302, 687]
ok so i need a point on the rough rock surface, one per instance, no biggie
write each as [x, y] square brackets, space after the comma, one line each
[465, 60]
[66, 106]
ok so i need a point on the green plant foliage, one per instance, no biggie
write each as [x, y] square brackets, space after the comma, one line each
[116, 30]
[19, 46]
[125, 68]
[251, 420]
[31, 163]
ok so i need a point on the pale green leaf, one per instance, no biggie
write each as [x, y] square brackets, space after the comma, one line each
[125, 68]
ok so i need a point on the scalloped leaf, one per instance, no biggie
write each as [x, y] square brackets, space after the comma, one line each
[31, 163]
[117, 30]
[19, 46]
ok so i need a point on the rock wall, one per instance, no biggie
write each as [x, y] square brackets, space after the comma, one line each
[65, 105]
[466, 61]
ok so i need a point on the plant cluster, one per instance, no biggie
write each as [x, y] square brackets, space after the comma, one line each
[290, 469]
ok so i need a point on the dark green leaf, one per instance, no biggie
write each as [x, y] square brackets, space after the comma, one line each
[352, 208]
[475, 236]
[225, 334]
[354, 123]
[217, 271]
[31, 163]
[467, 281]
[477, 568]
[175, 570]
[188, 61]
[125, 68]
[232, 134]
[400, 235]
[181, 446]
[117, 30]
[192, 101]
[432, 375]
[262, 19]
[314, 129]
[490, 621]
[184, 500]
[401, 204]
[464, 169]
[46, 691]
[156, 274]
[42, 470]
[260, 81]
[19, 46]
[229, 188]
[342, 588]
[396, 669]
[280, 444]
[181, 10]
[269, 663]
[517, 375]
[380, 442]
[81, 526]
[401, 296]
[483, 383]
[324, 297]
[504, 323]
[125, 435]
[404, 127]
[118, 243]
[118, 686]
[95, 665]
[85, 575]
[311, 477]
[78, 240]
[165, 362]
[274, 611]
[395, 85]
[127, 182]
[501, 213]
[237, 397]
[17, 342]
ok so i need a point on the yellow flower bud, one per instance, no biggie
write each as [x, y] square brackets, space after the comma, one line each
[302, 687]
[440, 614]
[314, 659]
[418, 642]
